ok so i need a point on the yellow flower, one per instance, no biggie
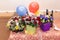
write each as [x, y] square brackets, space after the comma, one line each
[16, 27]
[8, 25]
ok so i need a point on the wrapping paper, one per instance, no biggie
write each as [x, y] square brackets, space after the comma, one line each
[39, 35]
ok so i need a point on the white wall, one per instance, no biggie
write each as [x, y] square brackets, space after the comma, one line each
[12, 4]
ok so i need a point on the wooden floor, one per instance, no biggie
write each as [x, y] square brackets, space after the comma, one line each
[4, 32]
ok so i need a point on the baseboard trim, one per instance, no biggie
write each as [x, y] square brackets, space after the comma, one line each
[40, 10]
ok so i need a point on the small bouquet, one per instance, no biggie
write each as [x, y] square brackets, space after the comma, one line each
[16, 24]
[31, 25]
[46, 21]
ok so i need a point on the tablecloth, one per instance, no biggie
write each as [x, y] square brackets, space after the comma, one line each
[39, 35]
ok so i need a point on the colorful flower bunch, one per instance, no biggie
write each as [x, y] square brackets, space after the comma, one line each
[30, 23]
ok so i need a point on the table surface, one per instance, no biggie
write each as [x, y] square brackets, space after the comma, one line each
[4, 32]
